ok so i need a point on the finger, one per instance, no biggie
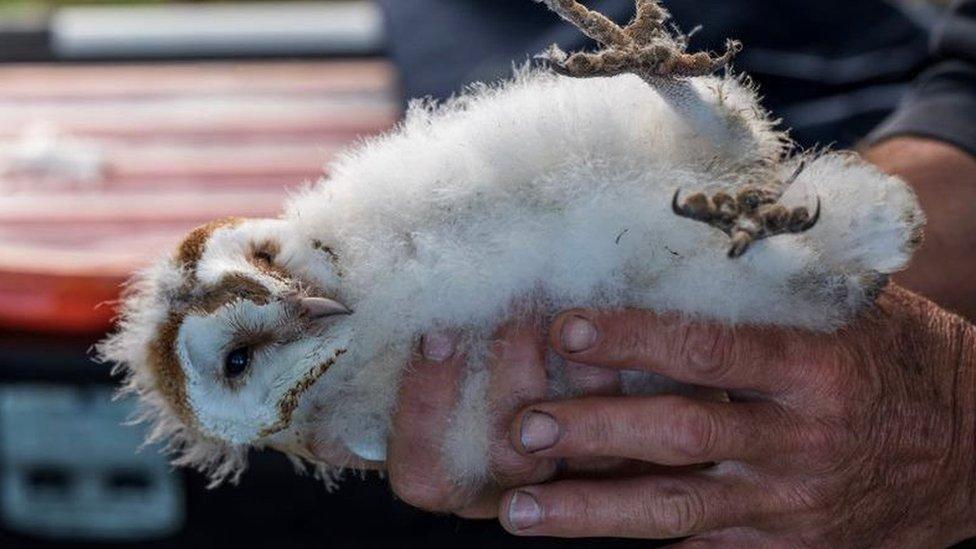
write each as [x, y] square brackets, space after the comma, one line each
[610, 468]
[667, 429]
[744, 357]
[732, 538]
[592, 380]
[517, 376]
[427, 399]
[484, 506]
[649, 507]
[584, 379]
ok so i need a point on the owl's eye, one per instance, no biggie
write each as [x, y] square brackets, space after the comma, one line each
[236, 362]
[263, 257]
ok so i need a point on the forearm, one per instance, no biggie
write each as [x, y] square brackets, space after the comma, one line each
[944, 177]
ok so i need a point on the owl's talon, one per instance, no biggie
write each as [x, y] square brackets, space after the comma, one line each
[796, 174]
[812, 221]
[696, 206]
[753, 214]
[644, 47]
[740, 243]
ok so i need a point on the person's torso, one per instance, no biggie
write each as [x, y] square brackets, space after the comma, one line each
[831, 70]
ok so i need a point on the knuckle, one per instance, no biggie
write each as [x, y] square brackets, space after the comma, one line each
[826, 443]
[587, 430]
[695, 432]
[567, 508]
[811, 500]
[679, 511]
[845, 383]
[512, 469]
[631, 337]
[707, 351]
[578, 504]
[418, 489]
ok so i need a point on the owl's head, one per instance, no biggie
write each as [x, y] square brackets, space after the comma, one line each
[221, 339]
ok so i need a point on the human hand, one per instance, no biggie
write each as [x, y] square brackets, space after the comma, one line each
[860, 438]
[429, 393]
[428, 396]
[944, 178]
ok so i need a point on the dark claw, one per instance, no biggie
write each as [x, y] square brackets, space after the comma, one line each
[800, 219]
[760, 216]
[740, 243]
[796, 173]
[696, 206]
[813, 220]
[674, 204]
[775, 219]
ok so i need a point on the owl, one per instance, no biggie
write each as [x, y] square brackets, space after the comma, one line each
[632, 176]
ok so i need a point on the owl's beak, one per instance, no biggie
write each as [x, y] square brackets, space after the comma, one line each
[321, 307]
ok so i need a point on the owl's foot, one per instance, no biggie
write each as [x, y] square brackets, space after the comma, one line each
[754, 213]
[646, 46]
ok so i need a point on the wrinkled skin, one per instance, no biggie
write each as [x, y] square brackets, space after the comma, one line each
[861, 438]
[864, 438]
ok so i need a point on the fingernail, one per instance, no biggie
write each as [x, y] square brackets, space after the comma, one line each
[524, 511]
[578, 334]
[438, 346]
[538, 432]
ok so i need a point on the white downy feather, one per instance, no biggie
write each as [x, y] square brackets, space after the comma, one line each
[542, 193]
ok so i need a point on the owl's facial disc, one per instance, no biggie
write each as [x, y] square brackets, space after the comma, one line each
[247, 364]
[252, 333]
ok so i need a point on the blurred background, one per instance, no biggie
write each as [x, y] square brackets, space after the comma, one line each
[124, 124]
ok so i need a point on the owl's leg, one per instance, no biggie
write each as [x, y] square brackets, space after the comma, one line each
[690, 65]
[720, 210]
[586, 65]
[648, 22]
[593, 24]
[771, 221]
[752, 215]
[645, 47]
[779, 220]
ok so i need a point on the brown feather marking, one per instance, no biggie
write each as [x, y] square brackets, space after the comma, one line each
[191, 249]
[166, 371]
[232, 287]
[333, 256]
[262, 256]
[164, 365]
[289, 402]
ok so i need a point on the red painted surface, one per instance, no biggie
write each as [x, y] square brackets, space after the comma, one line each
[180, 144]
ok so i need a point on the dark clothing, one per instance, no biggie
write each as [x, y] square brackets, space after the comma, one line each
[942, 102]
[831, 69]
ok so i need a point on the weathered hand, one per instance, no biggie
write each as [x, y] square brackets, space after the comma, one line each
[428, 396]
[855, 439]
[429, 393]
[943, 177]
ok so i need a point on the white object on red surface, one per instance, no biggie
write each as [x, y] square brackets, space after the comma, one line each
[149, 152]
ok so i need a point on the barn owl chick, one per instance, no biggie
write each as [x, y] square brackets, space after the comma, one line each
[628, 188]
